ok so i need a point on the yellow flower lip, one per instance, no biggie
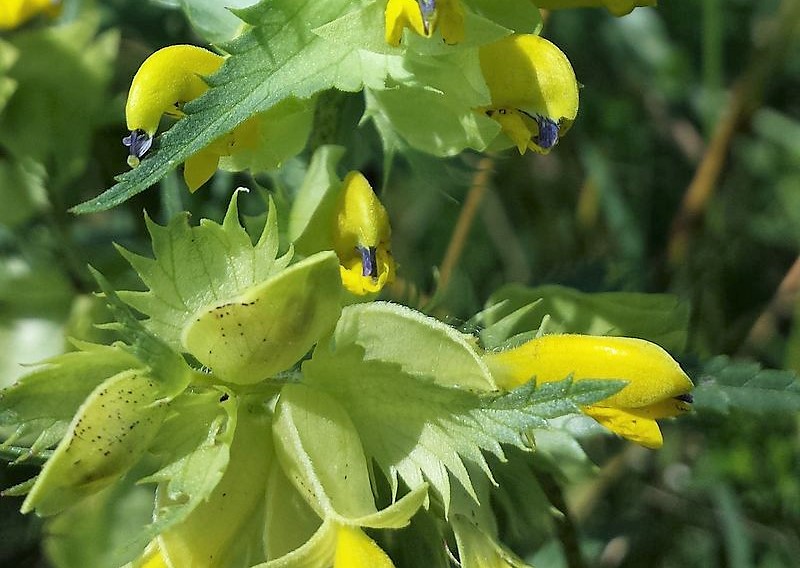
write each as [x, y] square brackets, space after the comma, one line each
[423, 17]
[656, 385]
[533, 89]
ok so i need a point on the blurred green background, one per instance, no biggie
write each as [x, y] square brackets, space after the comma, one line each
[681, 175]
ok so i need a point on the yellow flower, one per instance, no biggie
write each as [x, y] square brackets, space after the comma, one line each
[616, 7]
[14, 13]
[362, 237]
[424, 17]
[168, 79]
[533, 89]
[657, 386]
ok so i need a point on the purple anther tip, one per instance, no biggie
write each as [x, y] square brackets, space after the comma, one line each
[138, 143]
[427, 8]
[685, 398]
[369, 264]
[548, 132]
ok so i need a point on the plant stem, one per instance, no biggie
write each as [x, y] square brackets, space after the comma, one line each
[745, 98]
[566, 529]
[475, 195]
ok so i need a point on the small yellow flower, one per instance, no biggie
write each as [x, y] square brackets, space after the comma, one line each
[168, 79]
[14, 13]
[533, 89]
[657, 386]
[362, 237]
[616, 7]
[424, 17]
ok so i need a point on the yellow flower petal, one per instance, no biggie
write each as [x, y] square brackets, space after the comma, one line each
[14, 13]
[630, 424]
[152, 557]
[656, 384]
[423, 17]
[354, 549]
[172, 75]
[616, 7]
[529, 75]
[451, 21]
[199, 168]
[402, 14]
[651, 373]
[353, 278]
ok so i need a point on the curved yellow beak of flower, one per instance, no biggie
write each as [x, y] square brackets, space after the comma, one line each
[14, 13]
[362, 237]
[533, 89]
[424, 17]
[167, 80]
[657, 386]
[616, 7]
[354, 549]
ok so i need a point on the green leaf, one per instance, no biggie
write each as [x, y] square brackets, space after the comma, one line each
[428, 348]
[269, 327]
[419, 431]
[199, 267]
[111, 431]
[280, 57]
[213, 19]
[40, 406]
[90, 533]
[22, 183]
[520, 16]
[195, 444]
[73, 92]
[320, 451]
[282, 133]
[660, 318]
[166, 366]
[285, 533]
[436, 112]
[312, 216]
[226, 529]
[725, 386]
[8, 55]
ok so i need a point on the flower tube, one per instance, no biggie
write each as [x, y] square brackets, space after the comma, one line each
[657, 386]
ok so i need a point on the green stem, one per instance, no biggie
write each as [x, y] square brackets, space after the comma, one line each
[566, 529]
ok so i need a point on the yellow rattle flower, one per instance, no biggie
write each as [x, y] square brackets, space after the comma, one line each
[533, 89]
[14, 13]
[423, 17]
[657, 386]
[361, 237]
[168, 79]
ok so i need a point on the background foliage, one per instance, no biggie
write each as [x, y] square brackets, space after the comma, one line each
[680, 175]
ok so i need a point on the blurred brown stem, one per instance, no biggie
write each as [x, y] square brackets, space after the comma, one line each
[475, 195]
[745, 98]
[780, 306]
